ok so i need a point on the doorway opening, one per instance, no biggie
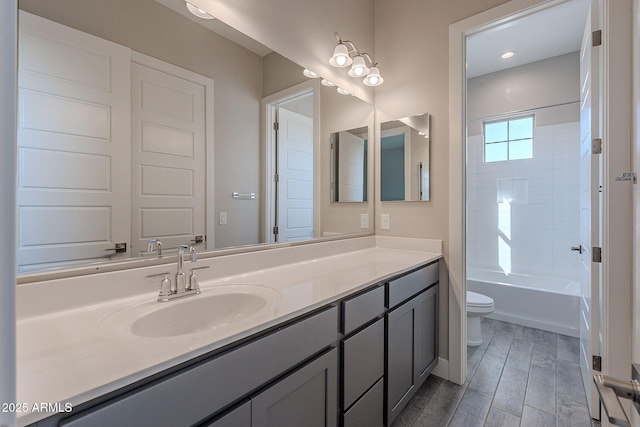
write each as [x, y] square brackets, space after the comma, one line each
[290, 205]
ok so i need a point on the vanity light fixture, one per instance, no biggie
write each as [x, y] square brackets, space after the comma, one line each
[341, 57]
[373, 78]
[359, 67]
[346, 54]
[198, 12]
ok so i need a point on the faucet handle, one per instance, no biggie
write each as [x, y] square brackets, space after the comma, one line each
[193, 279]
[165, 286]
[192, 254]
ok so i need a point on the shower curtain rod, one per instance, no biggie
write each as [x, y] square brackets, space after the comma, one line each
[516, 112]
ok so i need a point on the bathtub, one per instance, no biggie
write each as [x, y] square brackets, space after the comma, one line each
[539, 302]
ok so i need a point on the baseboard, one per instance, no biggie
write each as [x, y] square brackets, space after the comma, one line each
[442, 369]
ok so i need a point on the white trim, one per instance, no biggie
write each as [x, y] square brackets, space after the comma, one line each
[458, 32]
[269, 105]
[8, 174]
[442, 369]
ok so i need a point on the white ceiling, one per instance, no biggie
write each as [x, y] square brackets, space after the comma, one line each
[555, 31]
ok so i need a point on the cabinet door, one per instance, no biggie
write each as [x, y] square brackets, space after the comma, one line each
[239, 417]
[307, 397]
[426, 333]
[401, 378]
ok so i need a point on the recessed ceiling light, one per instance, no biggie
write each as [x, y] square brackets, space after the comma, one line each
[198, 12]
[310, 74]
[508, 54]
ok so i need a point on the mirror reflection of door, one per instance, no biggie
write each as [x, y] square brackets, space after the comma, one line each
[73, 185]
[168, 138]
[294, 219]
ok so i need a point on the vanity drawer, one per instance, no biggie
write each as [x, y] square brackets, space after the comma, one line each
[197, 392]
[405, 287]
[360, 309]
[363, 361]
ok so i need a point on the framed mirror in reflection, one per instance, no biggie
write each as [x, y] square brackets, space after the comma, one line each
[349, 165]
[140, 123]
[404, 159]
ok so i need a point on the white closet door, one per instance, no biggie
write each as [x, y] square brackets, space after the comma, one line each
[168, 153]
[73, 144]
[295, 170]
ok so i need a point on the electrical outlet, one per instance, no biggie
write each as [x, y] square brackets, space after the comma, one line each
[223, 218]
[364, 220]
[385, 222]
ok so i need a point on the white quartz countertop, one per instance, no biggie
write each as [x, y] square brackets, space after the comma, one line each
[72, 356]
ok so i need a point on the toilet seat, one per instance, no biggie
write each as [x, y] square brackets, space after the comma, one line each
[477, 300]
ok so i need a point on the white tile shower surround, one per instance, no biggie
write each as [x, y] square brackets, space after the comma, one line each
[66, 355]
[539, 232]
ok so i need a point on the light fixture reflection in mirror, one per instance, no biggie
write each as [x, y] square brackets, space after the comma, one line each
[404, 159]
[349, 165]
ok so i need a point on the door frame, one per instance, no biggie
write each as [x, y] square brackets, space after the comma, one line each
[457, 188]
[269, 154]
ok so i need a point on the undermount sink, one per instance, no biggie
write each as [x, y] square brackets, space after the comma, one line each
[217, 307]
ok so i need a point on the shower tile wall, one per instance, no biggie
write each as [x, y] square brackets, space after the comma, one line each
[532, 229]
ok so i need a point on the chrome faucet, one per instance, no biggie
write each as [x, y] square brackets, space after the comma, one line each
[180, 288]
[181, 277]
[155, 244]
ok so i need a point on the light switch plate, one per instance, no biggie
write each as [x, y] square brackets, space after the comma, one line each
[223, 218]
[364, 220]
[385, 222]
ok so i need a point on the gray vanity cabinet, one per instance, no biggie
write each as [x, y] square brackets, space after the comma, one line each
[362, 349]
[251, 370]
[412, 338]
[305, 397]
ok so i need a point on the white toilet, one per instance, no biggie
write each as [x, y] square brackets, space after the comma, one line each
[478, 305]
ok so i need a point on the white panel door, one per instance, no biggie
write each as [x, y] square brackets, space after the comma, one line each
[295, 170]
[73, 145]
[350, 167]
[590, 202]
[168, 154]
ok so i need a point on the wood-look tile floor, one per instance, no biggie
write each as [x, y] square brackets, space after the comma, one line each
[519, 376]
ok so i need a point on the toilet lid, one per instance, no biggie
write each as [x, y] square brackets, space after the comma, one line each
[478, 300]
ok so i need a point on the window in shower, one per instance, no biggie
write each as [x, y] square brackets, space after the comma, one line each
[510, 139]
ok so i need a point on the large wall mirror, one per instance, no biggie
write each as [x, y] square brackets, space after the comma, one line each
[141, 122]
[404, 159]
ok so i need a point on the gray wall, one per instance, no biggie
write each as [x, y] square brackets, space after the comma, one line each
[552, 82]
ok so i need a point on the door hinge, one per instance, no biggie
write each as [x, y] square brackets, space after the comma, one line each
[596, 363]
[596, 38]
[596, 254]
[276, 178]
[596, 146]
[275, 230]
[276, 126]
